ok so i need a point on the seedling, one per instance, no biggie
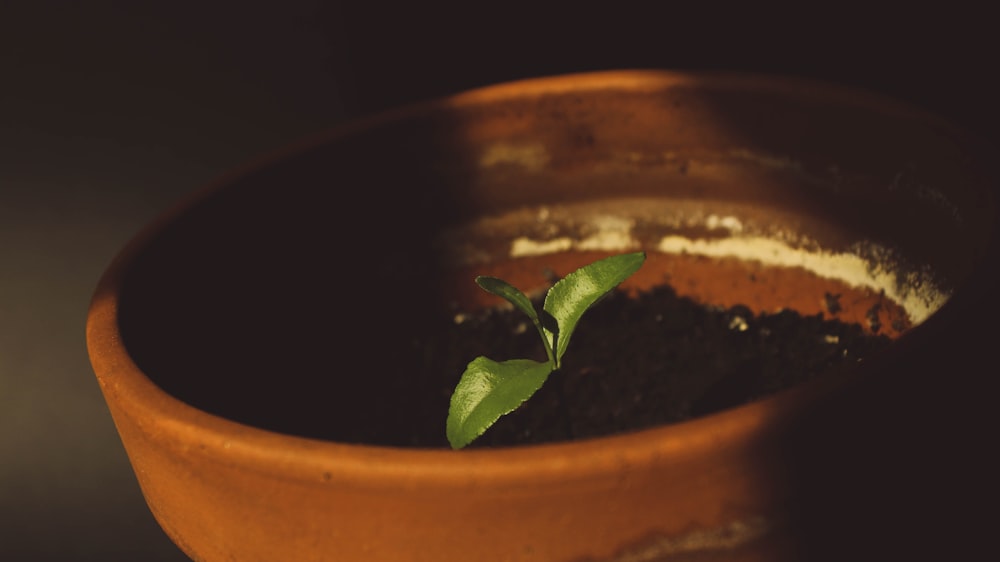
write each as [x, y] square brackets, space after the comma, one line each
[490, 389]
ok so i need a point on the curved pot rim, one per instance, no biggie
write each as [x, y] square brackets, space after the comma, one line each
[173, 421]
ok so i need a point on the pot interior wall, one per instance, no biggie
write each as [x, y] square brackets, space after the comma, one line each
[288, 298]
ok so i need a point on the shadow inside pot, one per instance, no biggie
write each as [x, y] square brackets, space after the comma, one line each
[286, 298]
[896, 468]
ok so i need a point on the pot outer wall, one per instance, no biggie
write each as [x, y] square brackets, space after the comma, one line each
[830, 470]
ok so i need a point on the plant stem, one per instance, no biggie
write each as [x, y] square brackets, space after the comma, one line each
[545, 341]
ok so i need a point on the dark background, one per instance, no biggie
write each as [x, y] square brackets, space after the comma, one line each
[111, 110]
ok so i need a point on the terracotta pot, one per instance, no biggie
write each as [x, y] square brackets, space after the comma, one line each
[214, 334]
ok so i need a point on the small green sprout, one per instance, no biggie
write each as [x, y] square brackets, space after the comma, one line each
[488, 389]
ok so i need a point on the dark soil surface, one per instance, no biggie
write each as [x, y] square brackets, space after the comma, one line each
[636, 362]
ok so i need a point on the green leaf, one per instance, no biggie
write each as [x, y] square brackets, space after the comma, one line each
[572, 295]
[501, 288]
[488, 390]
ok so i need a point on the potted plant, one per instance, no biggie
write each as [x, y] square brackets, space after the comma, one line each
[260, 345]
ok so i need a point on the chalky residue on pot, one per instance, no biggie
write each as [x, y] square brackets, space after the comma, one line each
[726, 538]
[531, 157]
[847, 267]
[915, 292]
[609, 233]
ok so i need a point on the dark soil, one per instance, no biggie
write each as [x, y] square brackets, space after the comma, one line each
[653, 359]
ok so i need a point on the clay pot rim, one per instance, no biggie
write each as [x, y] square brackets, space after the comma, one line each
[196, 432]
